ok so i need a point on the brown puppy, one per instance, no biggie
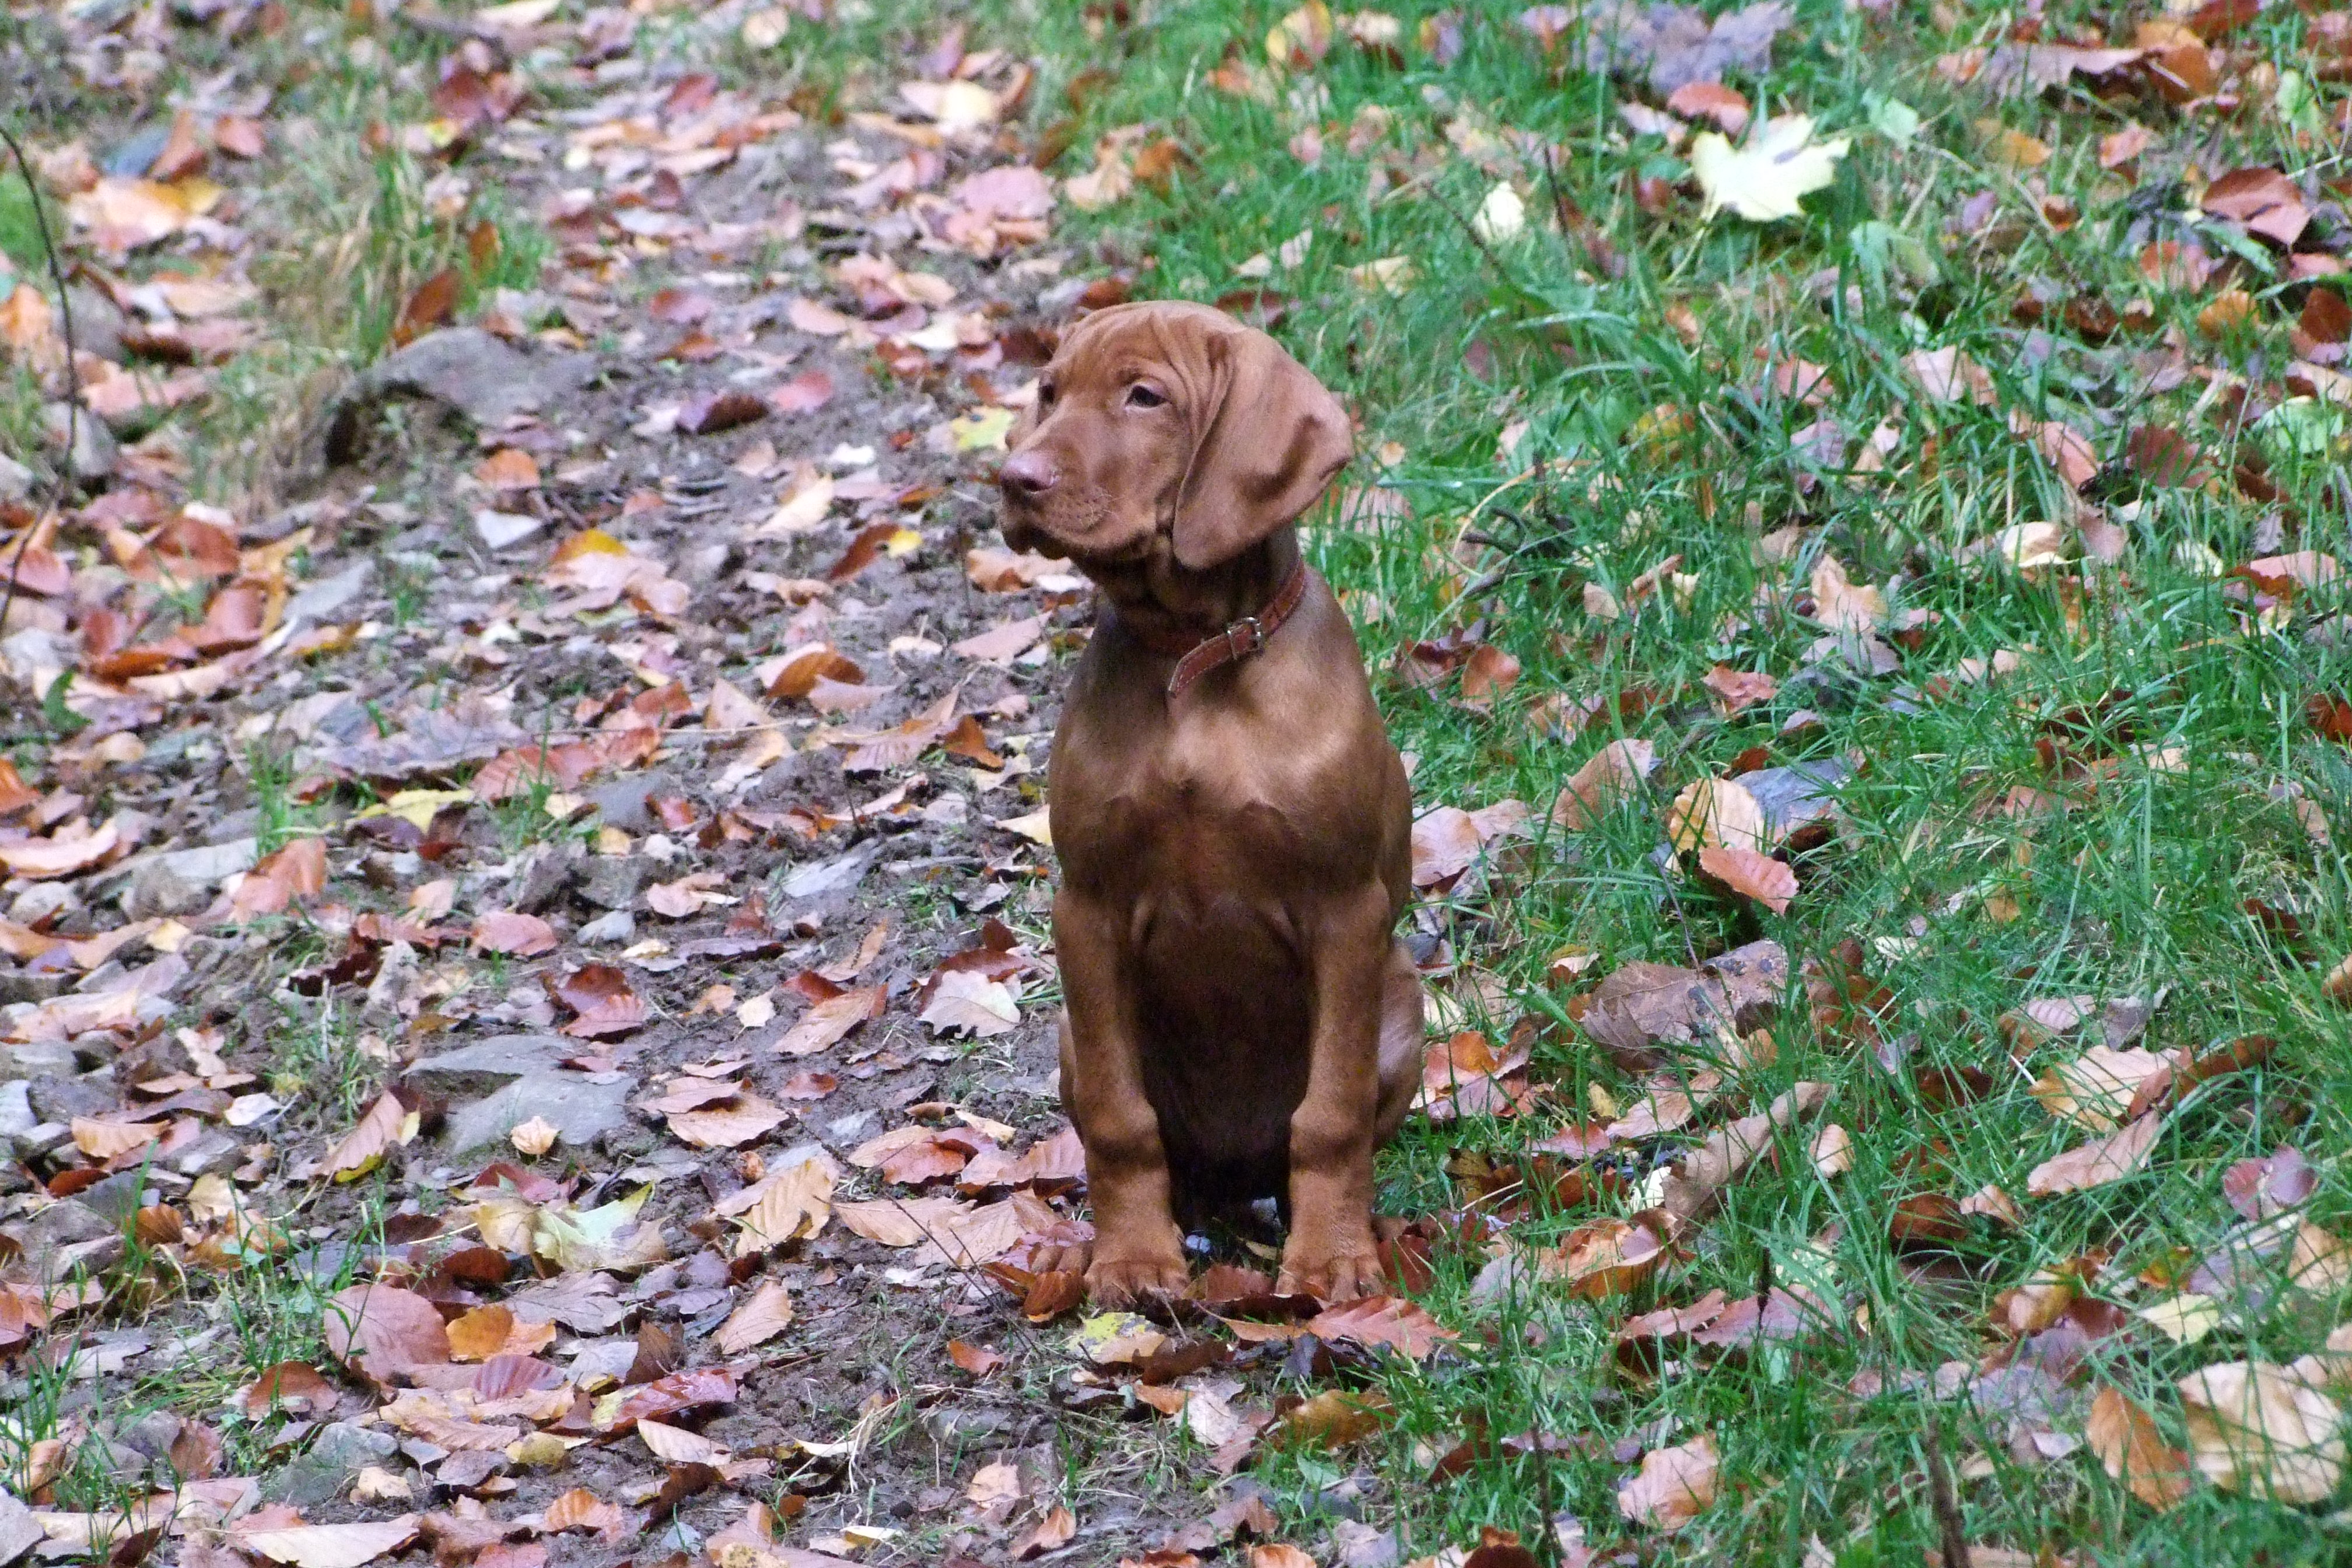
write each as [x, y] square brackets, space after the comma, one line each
[1232, 825]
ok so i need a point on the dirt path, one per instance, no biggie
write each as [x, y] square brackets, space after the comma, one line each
[614, 773]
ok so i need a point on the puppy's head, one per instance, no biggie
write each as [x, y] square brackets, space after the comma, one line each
[1168, 428]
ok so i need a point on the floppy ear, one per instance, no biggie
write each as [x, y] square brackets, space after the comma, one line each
[1271, 444]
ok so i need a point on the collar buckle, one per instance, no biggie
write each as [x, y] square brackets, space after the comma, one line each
[1237, 651]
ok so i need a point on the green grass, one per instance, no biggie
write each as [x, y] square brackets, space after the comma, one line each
[2142, 887]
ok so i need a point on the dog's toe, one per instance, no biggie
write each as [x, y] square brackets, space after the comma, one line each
[1123, 1281]
[1342, 1276]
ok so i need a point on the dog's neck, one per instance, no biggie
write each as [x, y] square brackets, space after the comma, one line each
[1170, 606]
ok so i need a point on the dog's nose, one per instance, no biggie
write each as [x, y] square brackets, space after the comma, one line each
[1029, 473]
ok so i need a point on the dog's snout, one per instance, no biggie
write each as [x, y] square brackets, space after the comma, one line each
[1031, 473]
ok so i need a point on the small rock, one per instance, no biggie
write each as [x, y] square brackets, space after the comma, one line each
[580, 1109]
[158, 891]
[540, 880]
[950, 1427]
[327, 594]
[609, 930]
[481, 376]
[66, 1236]
[40, 1058]
[622, 803]
[492, 1064]
[22, 985]
[98, 322]
[63, 1099]
[339, 1452]
[95, 451]
[612, 881]
[19, 1530]
[117, 1197]
[706, 564]
[16, 1117]
[500, 528]
[16, 480]
[213, 1154]
[41, 902]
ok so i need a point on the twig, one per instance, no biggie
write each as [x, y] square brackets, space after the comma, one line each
[73, 371]
[1946, 1507]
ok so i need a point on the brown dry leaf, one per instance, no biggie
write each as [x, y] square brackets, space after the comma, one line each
[1608, 776]
[59, 855]
[977, 1359]
[2255, 1429]
[902, 1222]
[1050, 1533]
[1674, 1485]
[767, 1314]
[1832, 1150]
[298, 871]
[1700, 1177]
[1736, 688]
[967, 1000]
[503, 931]
[1842, 604]
[581, 1508]
[507, 468]
[602, 996]
[534, 1137]
[482, 1333]
[2126, 1439]
[387, 1125]
[1718, 814]
[1332, 1419]
[1382, 1320]
[788, 1203]
[382, 1329]
[1279, 1554]
[685, 897]
[2098, 1087]
[828, 1022]
[104, 1139]
[329, 1545]
[2265, 200]
[2095, 1163]
[1759, 877]
[1445, 841]
[738, 1118]
[677, 1446]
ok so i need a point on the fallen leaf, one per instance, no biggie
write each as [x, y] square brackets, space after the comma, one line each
[2096, 1163]
[767, 1314]
[329, 1545]
[2134, 1452]
[2253, 1428]
[1674, 1485]
[1382, 1320]
[387, 1125]
[1764, 178]
[1759, 877]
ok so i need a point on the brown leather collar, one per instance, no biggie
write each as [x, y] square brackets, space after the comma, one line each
[1238, 641]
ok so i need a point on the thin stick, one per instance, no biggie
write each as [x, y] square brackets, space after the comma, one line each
[73, 371]
[1946, 1507]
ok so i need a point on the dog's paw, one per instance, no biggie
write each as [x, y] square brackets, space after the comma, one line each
[1336, 1277]
[1124, 1281]
[1066, 1256]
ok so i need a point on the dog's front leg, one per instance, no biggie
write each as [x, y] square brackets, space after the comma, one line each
[1137, 1250]
[1331, 1253]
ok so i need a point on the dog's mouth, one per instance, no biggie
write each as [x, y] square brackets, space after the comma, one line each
[1081, 531]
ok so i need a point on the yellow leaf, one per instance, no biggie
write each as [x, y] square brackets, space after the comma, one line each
[982, 429]
[1764, 179]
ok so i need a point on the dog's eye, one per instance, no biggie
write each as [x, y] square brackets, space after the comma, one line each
[1142, 396]
[1046, 393]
